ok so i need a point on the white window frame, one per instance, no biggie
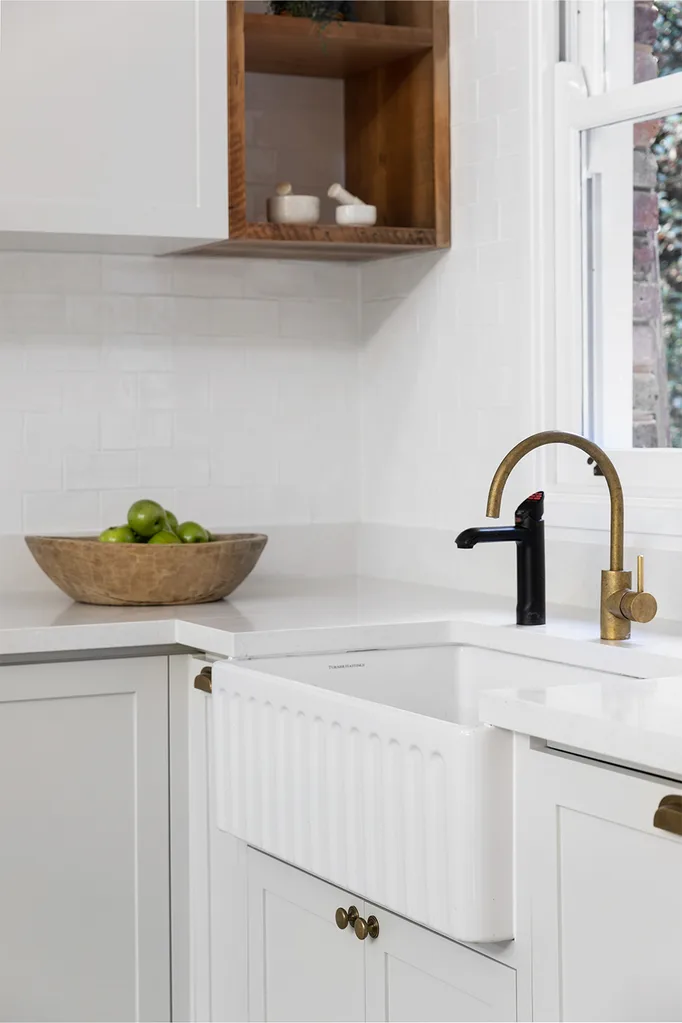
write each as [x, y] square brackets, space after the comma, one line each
[652, 478]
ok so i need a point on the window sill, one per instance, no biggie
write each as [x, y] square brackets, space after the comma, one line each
[583, 516]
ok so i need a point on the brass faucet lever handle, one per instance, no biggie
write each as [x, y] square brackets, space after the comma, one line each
[634, 605]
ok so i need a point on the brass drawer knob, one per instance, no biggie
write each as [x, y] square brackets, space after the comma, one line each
[364, 927]
[343, 917]
[668, 816]
[203, 680]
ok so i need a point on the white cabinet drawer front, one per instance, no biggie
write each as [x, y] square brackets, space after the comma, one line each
[370, 797]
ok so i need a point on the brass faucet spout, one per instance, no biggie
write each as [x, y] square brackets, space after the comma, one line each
[600, 457]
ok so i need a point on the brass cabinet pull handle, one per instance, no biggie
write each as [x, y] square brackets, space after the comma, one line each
[203, 681]
[668, 816]
[343, 917]
[364, 927]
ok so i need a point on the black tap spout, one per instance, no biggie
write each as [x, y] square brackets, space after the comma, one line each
[468, 538]
[528, 532]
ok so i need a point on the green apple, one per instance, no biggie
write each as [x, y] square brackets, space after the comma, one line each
[118, 534]
[172, 521]
[164, 536]
[192, 532]
[147, 518]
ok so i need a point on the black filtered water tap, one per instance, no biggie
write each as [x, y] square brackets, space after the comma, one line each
[528, 532]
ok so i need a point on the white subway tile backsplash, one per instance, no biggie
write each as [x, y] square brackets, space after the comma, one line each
[165, 467]
[52, 353]
[209, 278]
[195, 429]
[100, 314]
[99, 470]
[117, 432]
[123, 377]
[139, 352]
[65, 512]
[136, 275]
[71, 429]
[30, 470]
[156, 315]
[99, 390]
[34, 392]
[174, 391]
[318, 321]
[154, 428]
[11, 430]
[244, 317]
[11, 517]
[45, 272]
[269, 278]
[22, 313]
[245, 458]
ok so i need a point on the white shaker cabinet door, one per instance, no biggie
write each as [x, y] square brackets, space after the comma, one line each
[84, 903]
[113, 122]
[606, 891]
[415, 974]
[301, 966]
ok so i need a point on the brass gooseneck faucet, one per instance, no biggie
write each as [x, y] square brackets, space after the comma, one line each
[620, 605]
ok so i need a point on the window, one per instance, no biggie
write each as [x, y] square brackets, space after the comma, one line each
[618, 189]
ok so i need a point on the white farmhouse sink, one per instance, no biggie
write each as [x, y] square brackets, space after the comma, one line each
[373, 771]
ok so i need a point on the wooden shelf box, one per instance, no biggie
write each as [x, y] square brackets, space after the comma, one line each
[396, 125]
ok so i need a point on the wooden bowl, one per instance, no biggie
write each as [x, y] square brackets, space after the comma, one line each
[129, 573]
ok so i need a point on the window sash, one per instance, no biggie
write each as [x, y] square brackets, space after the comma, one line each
[576, 112]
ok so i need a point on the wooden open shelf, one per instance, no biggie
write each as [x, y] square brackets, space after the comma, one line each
[323, 241]
[397, 126]
[299, 46]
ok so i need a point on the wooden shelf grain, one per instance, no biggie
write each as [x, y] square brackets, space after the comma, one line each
[281, 45]
[322, 241]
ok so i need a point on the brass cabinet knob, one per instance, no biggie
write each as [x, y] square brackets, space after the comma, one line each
[668, 816]
[364, 927]
[344, 917]
[203, 680]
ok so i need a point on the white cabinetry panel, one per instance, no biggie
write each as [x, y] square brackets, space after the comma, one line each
[84, 881]
[301, 966]
[414, 974]
[113, 119]
[606, 894]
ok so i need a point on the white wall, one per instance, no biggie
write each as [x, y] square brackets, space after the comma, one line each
[445, 362]
[452, 374]
[225, 389]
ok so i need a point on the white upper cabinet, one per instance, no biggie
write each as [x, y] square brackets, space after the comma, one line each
[113, 124]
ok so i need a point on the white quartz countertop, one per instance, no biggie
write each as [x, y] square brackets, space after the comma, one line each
[265, 616]
[281, 615]
[634, 719]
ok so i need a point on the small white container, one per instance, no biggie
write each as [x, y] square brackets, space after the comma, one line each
[356, 216]
[293, 209]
